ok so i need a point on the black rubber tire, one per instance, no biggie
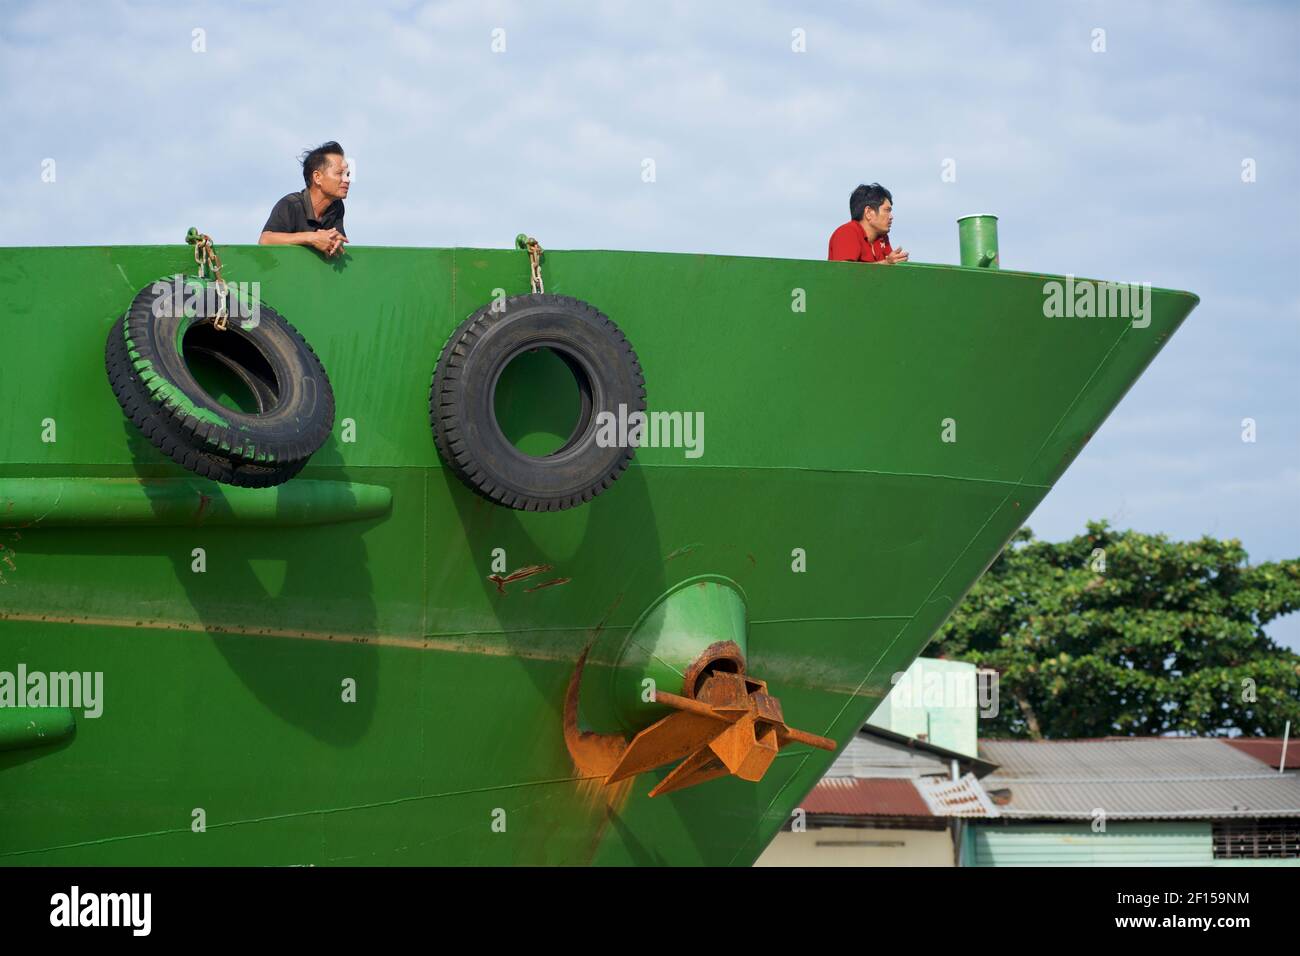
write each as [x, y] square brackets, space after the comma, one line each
[163, 433]
[461, 401]
[296, 402]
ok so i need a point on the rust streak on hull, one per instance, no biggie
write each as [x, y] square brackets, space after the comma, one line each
[501, 581]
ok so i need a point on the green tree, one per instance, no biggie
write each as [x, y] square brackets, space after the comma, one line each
[1119, 633]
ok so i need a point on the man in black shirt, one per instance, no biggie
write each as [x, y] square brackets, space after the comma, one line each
[313, 217]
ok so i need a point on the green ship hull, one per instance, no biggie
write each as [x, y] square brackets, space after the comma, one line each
[874, 436]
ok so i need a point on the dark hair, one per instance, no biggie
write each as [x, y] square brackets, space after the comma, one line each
[865, 196]
[314, 159]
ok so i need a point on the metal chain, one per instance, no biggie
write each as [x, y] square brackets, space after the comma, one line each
[535, 265]
[205, 255]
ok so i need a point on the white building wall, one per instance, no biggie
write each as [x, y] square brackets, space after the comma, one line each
[854, 846]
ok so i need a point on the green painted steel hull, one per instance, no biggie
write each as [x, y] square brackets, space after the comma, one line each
[222, 689]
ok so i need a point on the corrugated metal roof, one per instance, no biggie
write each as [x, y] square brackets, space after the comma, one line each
[976, 765]
[963, 797]
[1136, 778]
[864, 797]
[1268, 750]
[1127, 757]
[870, 756]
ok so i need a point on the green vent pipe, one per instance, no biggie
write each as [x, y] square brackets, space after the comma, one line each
[978, 235]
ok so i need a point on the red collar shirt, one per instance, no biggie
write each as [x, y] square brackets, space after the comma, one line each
[849, 244]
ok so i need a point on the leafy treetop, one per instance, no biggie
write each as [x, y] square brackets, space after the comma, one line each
[1122, 633]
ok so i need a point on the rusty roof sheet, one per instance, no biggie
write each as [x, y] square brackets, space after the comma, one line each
[1136, 778]
[866, 797]
[1268, 750]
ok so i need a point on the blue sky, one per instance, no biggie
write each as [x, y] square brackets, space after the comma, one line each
[1122, 164]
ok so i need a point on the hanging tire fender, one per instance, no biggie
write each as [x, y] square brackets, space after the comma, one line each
[163, 433]
[461, 401]
[296, 402]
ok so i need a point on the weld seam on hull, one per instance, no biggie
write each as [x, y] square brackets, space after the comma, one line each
[163, 471]
[819, 620]
[395, 640]
[299, 813]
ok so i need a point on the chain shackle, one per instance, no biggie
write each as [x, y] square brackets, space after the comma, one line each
[206, 255]
[535, 250]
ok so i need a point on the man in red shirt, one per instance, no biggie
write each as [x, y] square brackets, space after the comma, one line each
[865, 237]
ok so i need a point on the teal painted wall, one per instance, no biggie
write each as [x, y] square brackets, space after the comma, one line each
[1125, 843]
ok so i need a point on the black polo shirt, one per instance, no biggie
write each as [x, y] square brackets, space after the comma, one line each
[293, 213]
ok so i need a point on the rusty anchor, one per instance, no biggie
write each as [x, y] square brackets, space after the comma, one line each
[730, 726]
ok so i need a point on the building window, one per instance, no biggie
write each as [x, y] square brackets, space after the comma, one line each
[1256, 839]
